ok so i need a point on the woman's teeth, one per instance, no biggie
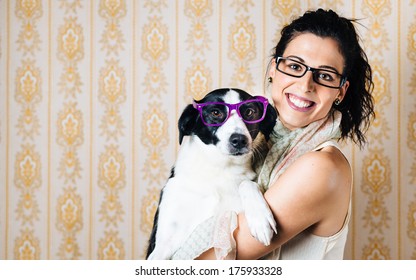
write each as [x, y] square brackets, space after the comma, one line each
[299, 102]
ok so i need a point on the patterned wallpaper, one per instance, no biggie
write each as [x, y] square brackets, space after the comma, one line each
[90, 93]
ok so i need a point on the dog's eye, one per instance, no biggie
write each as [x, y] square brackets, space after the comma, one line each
[249, 114]
[216, 114]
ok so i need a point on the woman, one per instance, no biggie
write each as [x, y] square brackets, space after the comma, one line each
[321, 85]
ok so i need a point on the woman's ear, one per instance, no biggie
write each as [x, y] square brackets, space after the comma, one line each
[272, 69]
[343, 90]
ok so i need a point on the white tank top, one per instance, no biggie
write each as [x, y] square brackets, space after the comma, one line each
[307, 246]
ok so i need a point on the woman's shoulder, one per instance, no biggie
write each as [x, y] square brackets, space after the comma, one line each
[324, 176]
[330, 155]
[327, 160]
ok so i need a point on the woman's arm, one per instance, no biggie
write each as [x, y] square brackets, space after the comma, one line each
[313, 193]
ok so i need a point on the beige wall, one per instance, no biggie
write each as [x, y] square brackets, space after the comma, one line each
[90, 92]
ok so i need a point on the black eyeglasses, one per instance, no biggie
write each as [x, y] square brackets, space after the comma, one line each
[217, 113]
[320, 76]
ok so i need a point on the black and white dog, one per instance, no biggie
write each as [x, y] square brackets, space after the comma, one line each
[214, 169]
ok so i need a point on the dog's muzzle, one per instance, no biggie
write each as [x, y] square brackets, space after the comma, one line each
[238, 144]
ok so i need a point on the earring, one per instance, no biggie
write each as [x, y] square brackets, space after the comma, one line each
[270, 79]
[337, 101]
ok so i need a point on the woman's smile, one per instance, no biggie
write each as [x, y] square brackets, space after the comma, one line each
[298, 103]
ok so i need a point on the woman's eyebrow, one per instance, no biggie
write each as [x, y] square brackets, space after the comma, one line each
[296, 57]
[329, 68]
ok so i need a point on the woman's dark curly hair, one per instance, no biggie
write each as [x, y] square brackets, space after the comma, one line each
[357, 108]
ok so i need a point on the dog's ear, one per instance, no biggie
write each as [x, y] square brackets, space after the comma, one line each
[187, 121]
[266, 125]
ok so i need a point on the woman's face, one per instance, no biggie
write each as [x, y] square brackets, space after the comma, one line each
[301, 101]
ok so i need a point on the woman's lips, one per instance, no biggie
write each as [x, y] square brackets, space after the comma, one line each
[298, 103]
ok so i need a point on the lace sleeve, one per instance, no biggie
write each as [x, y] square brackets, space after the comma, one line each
[215, 232]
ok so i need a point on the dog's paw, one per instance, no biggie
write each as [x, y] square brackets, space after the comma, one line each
[261, 223]
[259, 217]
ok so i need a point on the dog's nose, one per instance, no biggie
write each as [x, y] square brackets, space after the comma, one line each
[238, 141]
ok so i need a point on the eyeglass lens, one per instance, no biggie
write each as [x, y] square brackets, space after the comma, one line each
[251, 111]
[214, 113]
[321, 76]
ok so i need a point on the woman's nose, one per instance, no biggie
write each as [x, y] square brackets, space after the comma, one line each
[307, 82]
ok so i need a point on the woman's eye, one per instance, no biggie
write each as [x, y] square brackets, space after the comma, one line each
[325, 76]
[295, 67]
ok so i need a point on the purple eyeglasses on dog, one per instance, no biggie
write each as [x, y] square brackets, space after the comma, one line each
[217, 113]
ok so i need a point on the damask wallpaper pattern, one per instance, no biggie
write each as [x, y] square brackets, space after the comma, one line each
[90, 93]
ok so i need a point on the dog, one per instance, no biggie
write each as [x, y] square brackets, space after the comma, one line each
[214, 172]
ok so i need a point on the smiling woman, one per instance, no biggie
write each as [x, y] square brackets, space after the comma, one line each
[310, 75]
